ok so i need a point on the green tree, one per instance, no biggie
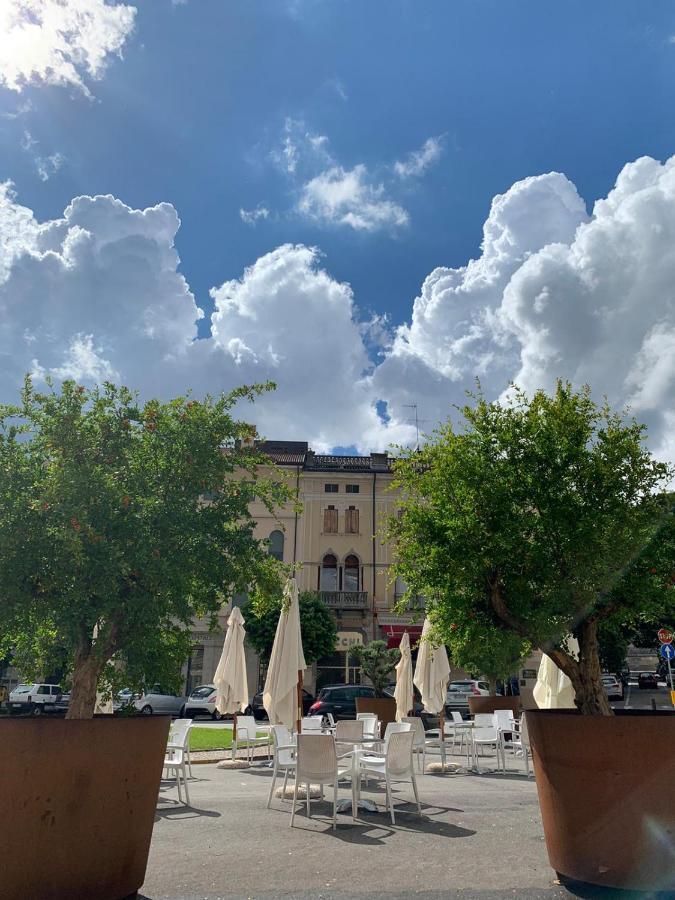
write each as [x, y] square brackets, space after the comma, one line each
[377, 663]
[319, 632]
[104, 528]
[533, 518]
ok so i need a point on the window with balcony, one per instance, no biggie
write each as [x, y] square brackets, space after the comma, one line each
[330, 520]
[351, 573]
[329, 573]
[352, 520]
[275, 545]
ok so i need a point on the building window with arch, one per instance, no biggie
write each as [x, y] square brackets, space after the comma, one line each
[275, 545]
[352, 570]
[329, 573]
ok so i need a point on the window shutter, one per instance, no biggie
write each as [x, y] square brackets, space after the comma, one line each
[352, 520]
[330, 520]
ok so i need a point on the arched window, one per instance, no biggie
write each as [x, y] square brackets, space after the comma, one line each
[329, 573]
[275, 545]
[352, 569]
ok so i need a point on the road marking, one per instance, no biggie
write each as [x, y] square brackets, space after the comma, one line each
[626, 699]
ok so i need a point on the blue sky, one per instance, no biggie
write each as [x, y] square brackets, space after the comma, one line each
[196, 112]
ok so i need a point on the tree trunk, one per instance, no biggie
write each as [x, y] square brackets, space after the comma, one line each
[591, 698]
[493, 686]
[83, 692]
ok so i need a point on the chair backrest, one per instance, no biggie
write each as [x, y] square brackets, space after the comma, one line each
[486, 733]
[484, 720]
[316, 758]
[456, 717]
[282, 738]
[365, 716]
[371, 727]
[178, 733]
[311, 723]
[399, 751]
[349, 730]
[524, 735]
[504, 719]
[246, 728]
[331, 720]
[395, 728]
[417, 726]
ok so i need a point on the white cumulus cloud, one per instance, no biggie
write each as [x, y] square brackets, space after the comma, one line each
[252, 216]
[62, 42]
[555, 292]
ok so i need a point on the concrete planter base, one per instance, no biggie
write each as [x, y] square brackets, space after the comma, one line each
[78, 802]
[490, 704]
[605, 786]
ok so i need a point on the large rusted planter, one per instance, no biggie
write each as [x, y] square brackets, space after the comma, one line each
[605, 789]
[490, 704]
[78, 802]
[383, 707]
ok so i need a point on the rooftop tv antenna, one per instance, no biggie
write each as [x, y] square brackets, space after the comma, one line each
[417, 422]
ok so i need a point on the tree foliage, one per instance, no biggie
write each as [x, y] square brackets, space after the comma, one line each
[377, 663]
[319, 631]
[531, 521]
[104, 528]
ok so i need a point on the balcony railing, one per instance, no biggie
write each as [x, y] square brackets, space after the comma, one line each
[345, 599]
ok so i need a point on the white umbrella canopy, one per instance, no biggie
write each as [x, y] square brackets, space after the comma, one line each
[553, 689]
[230, 680]
[432, 673]
[280, 696]
[403, 692]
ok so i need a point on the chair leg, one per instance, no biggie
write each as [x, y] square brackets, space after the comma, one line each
[389, 801]
[180, 796]
[285, 781]
[295, 797]
[335, 787]
[274, 778]
[309, 813]
[417, 796]
[185, 785]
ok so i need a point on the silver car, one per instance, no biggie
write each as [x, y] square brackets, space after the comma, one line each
[613, 687]
[459, 692]
[156, 700]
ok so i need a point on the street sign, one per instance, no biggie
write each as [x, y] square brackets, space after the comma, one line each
[667, 651]
[665, 635]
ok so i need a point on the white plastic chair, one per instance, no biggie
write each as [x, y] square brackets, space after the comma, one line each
[284, 756]
[396, 765]
[311, 723]
[504, 719]
[420, 743]
[175, 760]
[371, 728]
[484, 720]
[487, 736]
[247, 732]
[317, 762]
[519, 744]
[177, 731]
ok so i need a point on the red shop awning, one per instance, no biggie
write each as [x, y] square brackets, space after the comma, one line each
[394, 633]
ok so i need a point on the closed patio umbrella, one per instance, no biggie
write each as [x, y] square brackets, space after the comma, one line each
[230, 679]
[553, 689]
[287, 663]
[431, 679]
[403, 692]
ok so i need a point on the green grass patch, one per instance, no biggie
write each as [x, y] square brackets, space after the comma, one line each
[213, 738]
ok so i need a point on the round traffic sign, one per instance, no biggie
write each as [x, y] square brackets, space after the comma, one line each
[665, 635]
[667, 651]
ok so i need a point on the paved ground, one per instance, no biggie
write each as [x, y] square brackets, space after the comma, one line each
[478, 837]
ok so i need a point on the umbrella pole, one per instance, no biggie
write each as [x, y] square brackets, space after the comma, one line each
[298, 723]
[441, 735]
[234, 734]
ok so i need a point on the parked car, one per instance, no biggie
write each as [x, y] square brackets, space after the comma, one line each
[613, 687]
[457, 697]
[202, 702]
[155, 700]
[258, 710]
[37, 699]
[339, 700]
[648, 681]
